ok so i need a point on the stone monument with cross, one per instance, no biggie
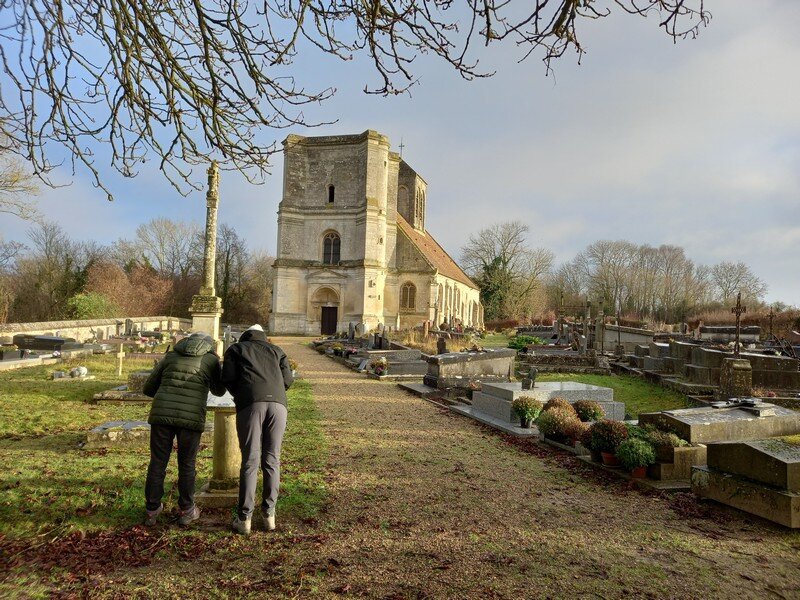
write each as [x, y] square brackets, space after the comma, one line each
[206, 308]
[738, 310]
[736, 374]
[223, 488]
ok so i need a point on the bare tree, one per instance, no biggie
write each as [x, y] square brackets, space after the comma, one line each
[170, 247]
[508, 271]
[730, 278]
[16, 189]
[181, 81]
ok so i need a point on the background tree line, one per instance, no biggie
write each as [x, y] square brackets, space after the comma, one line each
[49, 276]
[656, 284]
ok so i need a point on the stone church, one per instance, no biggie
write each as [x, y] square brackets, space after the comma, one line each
[352, 244]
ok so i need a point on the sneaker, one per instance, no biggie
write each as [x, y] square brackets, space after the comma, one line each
[269, 521]
[240, 526]
[188, 516]
[152, 516]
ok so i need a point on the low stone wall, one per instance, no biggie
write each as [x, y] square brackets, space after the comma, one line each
[84, 330]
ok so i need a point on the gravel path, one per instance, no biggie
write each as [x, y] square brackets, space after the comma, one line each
[424, 503]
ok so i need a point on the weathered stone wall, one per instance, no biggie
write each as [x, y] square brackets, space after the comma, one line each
[629, 337]
[83, 330]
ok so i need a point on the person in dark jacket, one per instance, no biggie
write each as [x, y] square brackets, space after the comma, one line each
[179, 386]
[258, 374]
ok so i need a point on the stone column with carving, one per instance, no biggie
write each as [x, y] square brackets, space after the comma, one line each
[206, 308]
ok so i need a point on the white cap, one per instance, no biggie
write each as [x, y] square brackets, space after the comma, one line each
[255, 327]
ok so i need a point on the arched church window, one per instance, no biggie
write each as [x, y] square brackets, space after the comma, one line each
[331, 194]
[440, 297]
[331, 248]
[408, 296]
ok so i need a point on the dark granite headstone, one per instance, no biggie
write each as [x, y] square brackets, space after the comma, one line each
[441, 346]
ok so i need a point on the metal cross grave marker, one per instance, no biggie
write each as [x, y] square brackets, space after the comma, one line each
[738, 310]
[771, 316]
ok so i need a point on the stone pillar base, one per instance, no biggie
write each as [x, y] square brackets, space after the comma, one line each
[222, 490]
[213, 498]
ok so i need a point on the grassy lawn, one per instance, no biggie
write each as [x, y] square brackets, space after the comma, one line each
[51, 488]
[638, 395]
[494, 340]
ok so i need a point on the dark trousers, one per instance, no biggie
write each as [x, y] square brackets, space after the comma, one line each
[161, 437]
[260, 428]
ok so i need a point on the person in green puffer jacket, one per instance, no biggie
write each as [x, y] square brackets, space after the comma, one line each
[179, 386]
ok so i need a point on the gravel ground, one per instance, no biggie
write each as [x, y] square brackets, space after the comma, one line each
[426, 504]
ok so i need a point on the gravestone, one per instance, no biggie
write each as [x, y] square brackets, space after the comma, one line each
[494, 399]
[131, 433]
[761, 477]
[724, 421]
[735, 379]
[351, 331]
[136, 380]
[465, 369]
[441, 345]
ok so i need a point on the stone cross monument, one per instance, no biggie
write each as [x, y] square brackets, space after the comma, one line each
[738, 310]
[206, 308]
[736, 374]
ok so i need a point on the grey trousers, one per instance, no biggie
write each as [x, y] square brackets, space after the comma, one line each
[260, 428]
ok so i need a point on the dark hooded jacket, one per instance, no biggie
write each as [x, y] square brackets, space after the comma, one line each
[180, 383]
[256, 371]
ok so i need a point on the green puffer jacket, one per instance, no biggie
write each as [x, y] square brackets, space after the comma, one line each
[180, 383]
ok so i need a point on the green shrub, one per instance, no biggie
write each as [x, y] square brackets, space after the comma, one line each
[523, 341]
[665, 439]
[634, 431]
[526, 407]
[560, 403]
[589, 410]
[92, 305]
[635, 452]
[576, 430]
[606, 435]
[554, 423]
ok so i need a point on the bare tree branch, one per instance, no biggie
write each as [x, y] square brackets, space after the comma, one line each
[180, 81]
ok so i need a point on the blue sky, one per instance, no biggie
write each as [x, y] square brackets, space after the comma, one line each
[695, 144]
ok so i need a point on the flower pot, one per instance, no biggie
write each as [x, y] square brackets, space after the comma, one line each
[639, 472]
[610, 459]
[525, 423]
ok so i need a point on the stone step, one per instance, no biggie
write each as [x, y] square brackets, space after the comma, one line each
[779, 506]
[420, 389]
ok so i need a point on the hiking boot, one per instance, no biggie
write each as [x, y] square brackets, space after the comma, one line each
[189, 516]
[240, 526]
[152, 516]
[268, 520]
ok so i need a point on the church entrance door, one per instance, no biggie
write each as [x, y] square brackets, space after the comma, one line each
[329, 319]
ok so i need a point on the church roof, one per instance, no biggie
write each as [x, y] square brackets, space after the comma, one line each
[434, 253]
